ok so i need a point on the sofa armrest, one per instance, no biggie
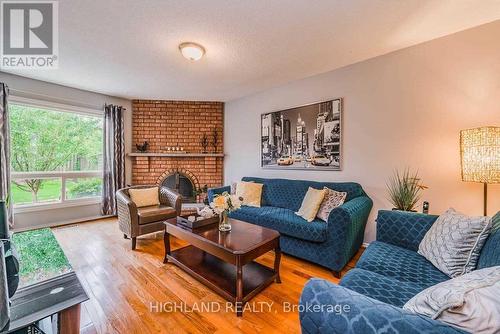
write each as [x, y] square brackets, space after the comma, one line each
[329, 308]
[213, 191]
[402, 228]
[346, 225]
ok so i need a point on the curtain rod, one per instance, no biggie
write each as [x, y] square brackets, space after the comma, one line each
[28, 94]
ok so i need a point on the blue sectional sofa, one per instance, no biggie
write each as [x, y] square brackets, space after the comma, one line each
[387, 275]
[331, 244]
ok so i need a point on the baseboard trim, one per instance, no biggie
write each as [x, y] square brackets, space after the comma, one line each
[62, 223]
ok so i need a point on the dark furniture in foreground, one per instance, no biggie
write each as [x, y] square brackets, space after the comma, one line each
[388, 274]
[330, 244]
[224, 260]
[57, 299]
[134, 221]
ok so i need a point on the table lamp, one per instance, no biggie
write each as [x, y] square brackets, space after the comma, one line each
[480, 157]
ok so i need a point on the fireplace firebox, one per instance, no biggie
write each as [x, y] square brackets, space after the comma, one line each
[183, 185]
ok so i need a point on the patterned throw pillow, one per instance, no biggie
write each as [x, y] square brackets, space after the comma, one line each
[332, 200]
[310, 204]
[454, 242]
[470, 302]
[233, 188]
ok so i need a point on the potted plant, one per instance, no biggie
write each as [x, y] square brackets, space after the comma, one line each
[202, 193]
[404, 190]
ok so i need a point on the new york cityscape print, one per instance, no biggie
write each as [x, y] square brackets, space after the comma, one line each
[305, 137]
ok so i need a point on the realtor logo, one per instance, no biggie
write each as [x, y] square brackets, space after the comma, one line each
[29, 33]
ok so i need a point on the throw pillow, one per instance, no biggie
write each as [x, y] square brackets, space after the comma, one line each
[145, 196]
[251, 193]
[470, 302]
[233, 187]
[310, 203]
[332, 200]
[454, 242]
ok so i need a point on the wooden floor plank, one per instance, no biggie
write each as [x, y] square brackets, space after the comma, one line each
[123, 286]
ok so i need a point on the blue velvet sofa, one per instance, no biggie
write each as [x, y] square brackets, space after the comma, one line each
[387, 275]
[331, 244]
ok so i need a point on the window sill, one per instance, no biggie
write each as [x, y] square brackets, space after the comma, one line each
[52, 206]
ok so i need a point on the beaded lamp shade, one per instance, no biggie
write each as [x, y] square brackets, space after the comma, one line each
[480, 154]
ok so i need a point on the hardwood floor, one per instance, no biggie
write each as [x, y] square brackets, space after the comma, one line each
[123, 285]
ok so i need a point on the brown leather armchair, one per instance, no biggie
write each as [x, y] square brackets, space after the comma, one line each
[134, 221]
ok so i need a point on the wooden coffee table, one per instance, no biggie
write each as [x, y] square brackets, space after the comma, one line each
[223, 261]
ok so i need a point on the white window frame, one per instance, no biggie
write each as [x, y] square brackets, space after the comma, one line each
[63, 175]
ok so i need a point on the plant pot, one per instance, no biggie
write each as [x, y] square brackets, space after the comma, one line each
[395, 209]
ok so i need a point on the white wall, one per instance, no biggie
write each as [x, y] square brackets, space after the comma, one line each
[402, 109]
[63, 94]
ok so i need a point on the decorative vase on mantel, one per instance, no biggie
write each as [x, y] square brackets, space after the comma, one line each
[204, 143]
[224, 222]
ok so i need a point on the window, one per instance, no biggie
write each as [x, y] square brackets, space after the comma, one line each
[56, 156]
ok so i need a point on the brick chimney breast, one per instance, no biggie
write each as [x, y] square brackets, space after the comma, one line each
[179, 124]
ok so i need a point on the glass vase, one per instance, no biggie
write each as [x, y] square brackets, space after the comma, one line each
[224, 224]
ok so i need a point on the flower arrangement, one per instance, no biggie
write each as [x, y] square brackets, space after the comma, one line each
[223, 204]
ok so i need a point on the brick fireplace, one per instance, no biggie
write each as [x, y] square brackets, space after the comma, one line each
[176, 124]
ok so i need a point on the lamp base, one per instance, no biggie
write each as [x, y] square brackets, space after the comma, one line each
[485, 198]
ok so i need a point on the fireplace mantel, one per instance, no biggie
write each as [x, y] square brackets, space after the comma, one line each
[147, 156]
[176, 155]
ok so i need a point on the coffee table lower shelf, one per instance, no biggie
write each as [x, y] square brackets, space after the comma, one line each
[221, 276]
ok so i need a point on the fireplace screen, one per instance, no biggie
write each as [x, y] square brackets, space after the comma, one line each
[183, 185]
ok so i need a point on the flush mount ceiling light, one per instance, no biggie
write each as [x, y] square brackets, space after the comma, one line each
[192, 51]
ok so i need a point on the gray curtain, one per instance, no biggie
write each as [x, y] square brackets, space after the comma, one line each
[5, 151]
[113, 157]
[4, 292]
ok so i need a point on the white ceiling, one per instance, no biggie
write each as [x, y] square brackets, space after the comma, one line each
[128, 48]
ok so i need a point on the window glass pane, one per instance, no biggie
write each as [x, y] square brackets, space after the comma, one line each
[31, 191]
[83, 187]
[46, 140]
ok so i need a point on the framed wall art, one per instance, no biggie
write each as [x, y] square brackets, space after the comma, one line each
[308, 137]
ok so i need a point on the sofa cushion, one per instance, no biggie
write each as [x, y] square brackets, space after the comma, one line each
[287, 222]
[311, 203]
[355, 313]
[386, 289]
[401, 264]
[285, 193]
[154, 213]
[454, 242]
[248, 214]
[144, 196]
[332, 200]
[250, 192]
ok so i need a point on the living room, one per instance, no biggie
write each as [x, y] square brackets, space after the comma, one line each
[285, 166]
